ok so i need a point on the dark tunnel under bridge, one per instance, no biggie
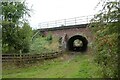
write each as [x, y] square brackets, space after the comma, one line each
[77, 43]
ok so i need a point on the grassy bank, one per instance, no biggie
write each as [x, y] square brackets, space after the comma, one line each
[66, 66]
[44, 45]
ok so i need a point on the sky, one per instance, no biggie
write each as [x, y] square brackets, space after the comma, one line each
[50, 10]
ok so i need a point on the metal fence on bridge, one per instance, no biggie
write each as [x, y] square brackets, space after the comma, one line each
[67, 22]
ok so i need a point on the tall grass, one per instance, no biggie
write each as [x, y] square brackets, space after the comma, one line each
[44, 45]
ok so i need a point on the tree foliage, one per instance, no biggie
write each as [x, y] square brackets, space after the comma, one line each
[106, 25]
[16, 32]
[25, 35]
[14, 11]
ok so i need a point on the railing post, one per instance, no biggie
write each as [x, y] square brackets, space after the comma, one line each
[65, 22]
[56, 23]
[75, 20]
[87, 19]
[47, 24]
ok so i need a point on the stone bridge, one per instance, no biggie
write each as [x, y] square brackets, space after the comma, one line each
[74, 33]
[69, 34]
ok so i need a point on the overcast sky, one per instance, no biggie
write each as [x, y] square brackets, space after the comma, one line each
[50, 10]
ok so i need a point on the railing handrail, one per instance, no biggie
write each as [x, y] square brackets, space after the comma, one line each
[66, 22]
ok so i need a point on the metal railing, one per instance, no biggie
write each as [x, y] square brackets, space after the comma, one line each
[66, 22]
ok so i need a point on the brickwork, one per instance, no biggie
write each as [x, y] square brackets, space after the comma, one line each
[82, 30]
[71, 31]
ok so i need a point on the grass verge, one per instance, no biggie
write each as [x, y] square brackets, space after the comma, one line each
[66, 66]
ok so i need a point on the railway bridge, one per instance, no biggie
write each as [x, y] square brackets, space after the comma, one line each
[75, 34]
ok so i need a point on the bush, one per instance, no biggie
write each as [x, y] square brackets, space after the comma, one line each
[106, 55]
[49, 37]
[106, 26]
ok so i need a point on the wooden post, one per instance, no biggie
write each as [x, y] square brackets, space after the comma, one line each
[20, 57]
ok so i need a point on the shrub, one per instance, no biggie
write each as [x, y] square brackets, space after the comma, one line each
[106, 39]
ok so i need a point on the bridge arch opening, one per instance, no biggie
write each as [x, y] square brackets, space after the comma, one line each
[77, 43]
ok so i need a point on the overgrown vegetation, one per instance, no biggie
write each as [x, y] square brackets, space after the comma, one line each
[15, 29]
[0, 39]
[106, 25]
[46, 44]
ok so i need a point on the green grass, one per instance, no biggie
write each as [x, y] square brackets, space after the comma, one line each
[67, 66]
[42, 45]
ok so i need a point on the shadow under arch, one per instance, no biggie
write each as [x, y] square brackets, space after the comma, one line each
[71, 47]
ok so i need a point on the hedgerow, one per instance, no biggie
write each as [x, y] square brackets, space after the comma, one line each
[106, 25]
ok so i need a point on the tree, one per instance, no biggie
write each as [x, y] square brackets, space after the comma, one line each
[14, 11]
[13, 17]
[0, 33]
[0, 39]
[25, 35]
[106, 26]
